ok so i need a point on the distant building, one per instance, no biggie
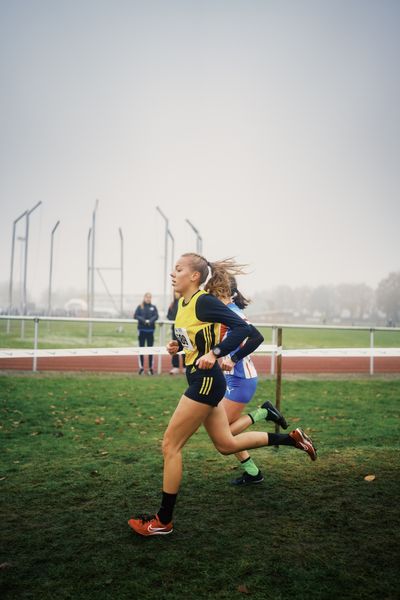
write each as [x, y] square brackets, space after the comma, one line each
[76, 307]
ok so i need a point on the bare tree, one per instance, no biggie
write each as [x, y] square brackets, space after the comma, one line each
[388, 297]
[356, 298]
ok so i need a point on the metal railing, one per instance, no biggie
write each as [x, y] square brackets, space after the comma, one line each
[275, 349]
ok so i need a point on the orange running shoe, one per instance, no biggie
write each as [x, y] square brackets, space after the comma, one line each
[303, 442]
[149, 525]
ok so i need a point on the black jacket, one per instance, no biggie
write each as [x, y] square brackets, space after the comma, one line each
[146, 316]
[172, 310]
[171, 314]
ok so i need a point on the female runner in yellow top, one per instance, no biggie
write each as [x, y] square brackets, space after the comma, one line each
[197, 328]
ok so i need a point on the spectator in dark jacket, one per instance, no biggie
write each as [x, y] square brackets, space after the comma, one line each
[171, 314]
[146, 315]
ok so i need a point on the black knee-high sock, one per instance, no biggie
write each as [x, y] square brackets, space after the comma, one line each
[280, 439]
[167, 507]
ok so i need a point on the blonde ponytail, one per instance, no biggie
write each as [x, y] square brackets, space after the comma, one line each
[221, 271]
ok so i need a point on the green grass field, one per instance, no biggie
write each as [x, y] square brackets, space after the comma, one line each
[61, 334]
[104, 335]
[80, 455]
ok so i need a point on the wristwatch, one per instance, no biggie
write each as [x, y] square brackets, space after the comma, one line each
[216, 351]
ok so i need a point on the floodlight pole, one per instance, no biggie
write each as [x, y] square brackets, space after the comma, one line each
[10, 290]
[172, 249]
[21, 264]
[51, 266]
[199, 239]
[122, 273]
[93, 258]
[165, 257]
[88, 271]
[24, 299]
[91, 308]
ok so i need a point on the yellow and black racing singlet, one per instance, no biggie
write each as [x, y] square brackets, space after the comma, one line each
[197, 337]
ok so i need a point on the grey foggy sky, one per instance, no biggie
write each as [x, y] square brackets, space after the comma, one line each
[272, 125]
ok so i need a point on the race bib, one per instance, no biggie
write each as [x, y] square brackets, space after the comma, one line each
[183, 338]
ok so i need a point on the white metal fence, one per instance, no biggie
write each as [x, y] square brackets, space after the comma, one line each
[163, 326]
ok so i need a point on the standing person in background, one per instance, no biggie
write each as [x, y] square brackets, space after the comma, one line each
[171, 314]
[146, 315]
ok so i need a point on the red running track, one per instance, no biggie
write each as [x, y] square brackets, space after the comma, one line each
[129, 364]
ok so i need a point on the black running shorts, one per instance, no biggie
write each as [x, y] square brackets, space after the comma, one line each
[205, 385]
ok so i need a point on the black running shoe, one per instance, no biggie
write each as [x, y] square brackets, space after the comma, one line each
[246, 479]
[274, 415]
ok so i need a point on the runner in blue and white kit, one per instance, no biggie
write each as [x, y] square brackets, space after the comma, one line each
[241, 379]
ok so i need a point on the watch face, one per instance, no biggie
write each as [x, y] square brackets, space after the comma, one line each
[217, 351]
